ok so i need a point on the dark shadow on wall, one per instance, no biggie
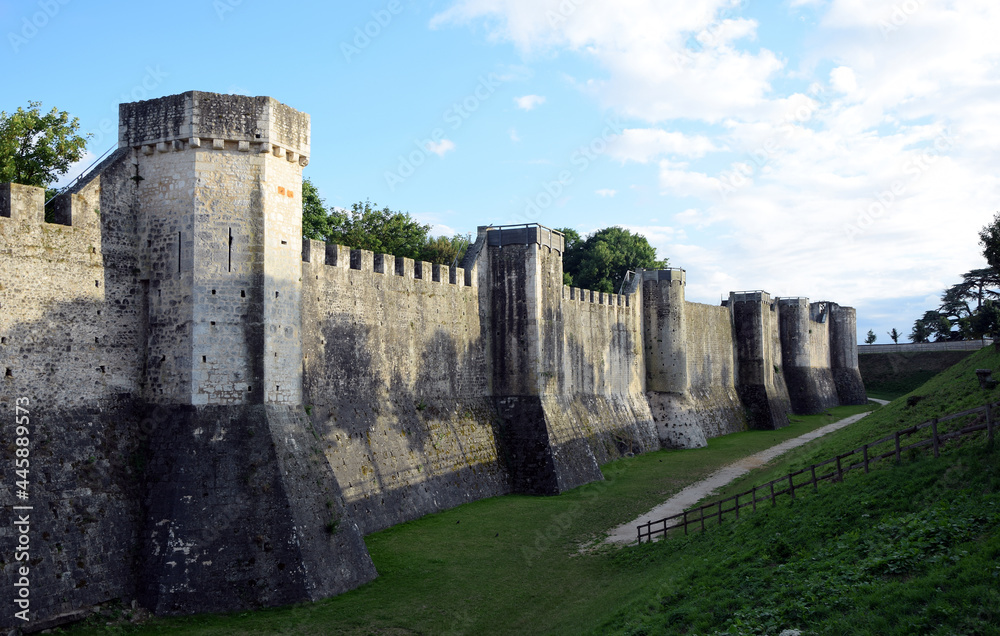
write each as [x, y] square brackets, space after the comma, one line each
[403, 448]
[85, 473]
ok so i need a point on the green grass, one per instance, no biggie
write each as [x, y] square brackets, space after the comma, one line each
[926, 551]
[908, 550]
[897, 387]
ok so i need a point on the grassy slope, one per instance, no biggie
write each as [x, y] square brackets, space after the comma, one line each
[907, 550]
[912, 549]
[954, 389]
[501, 566]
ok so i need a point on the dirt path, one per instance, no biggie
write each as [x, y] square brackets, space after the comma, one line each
[694, 493]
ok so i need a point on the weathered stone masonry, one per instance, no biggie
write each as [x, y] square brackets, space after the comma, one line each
[220, 410]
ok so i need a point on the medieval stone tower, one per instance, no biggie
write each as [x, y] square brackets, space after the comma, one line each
[218, 221]
[220, 182]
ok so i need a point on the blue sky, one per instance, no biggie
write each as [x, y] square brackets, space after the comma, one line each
[837, 149]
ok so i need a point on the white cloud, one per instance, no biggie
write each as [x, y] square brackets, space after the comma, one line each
[440, 147]
[676, 179]
[644, 144]
[529, 102]
[606, 192]
[843, 80]
[514, 136]
[653, 70]
[804, 200]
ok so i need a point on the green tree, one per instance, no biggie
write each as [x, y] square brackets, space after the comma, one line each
[366, 227]
[894, 335]
[989, 238]
[601, 261]
[871, 337]
[572, 239]
[921, 332]
[315, 217]
[444, 250]
[37, 149]
[986, 321]
[962, 300]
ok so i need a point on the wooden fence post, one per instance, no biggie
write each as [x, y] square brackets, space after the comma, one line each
[865, 449]
[934, 431]
[685, 522]
[773, 502]
[791, 486]
[703, 518]
[840, 473]
[638, 532]
[755, 498]
[898, 458]
[720, 512]
[815, 483]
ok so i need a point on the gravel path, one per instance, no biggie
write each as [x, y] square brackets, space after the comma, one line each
[694, 493]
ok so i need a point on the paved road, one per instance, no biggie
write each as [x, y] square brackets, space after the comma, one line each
[694, 493]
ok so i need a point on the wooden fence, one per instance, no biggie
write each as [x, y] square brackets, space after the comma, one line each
[862, 457]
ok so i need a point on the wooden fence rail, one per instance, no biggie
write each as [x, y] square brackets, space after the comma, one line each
[787, 485]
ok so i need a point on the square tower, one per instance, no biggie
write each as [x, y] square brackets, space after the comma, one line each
[219, 184]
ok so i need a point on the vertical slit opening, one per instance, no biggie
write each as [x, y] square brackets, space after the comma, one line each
[178, 252]
[230, 249]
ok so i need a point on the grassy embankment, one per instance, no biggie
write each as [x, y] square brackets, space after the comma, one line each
[907, 549]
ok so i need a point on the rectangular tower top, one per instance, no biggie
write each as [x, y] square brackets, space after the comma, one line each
[259, 121]
[525, 234]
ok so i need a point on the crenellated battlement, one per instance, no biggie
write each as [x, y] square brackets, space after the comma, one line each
[26, 205]
[343, 257]
[578, 294]
[209, 121]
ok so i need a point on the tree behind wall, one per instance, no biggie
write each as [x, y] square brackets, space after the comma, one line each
[989, 238]
[37, 149]
[601, 261]
[366, 227]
